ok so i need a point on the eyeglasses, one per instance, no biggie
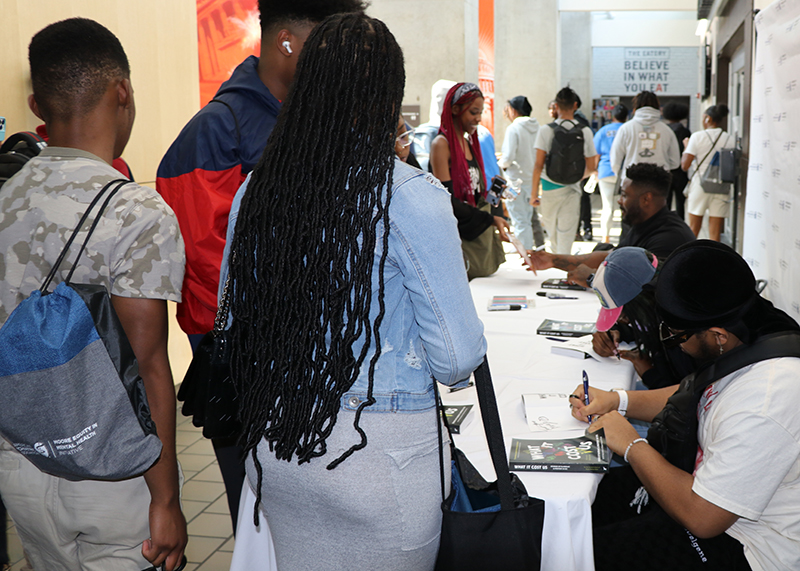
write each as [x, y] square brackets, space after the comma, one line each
[670, 338]
[405, 139]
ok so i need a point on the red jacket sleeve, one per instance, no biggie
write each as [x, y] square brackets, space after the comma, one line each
[201, 200]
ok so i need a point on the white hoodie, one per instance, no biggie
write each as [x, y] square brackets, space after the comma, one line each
[645, 139]
[518, 152]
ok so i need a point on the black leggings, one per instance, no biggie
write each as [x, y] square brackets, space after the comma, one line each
[625, 540]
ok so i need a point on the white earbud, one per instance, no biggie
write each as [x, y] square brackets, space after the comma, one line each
[287, 45]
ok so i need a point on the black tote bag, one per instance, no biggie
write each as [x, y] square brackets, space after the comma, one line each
[488, 525]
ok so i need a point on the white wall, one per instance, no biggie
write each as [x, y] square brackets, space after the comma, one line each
[653, 29]
[160, 39]
[604, 5]
[576, 56]
[439, 41]
[526, 57]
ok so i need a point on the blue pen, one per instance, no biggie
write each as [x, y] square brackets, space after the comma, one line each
[586, 392]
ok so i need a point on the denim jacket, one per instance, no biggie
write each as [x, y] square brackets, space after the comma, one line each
[430, 327]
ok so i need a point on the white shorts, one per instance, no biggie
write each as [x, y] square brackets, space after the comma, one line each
[698, 201]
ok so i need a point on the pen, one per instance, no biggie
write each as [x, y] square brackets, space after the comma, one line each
[550, 295]
[468, 385]
[539, 248]
[616, 351]
[586, 392]
[507, 307]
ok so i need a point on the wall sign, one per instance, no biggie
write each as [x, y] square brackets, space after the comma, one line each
[628, 71]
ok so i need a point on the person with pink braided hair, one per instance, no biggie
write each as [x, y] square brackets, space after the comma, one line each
[457, 162]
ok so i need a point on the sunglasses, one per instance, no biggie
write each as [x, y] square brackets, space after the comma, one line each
[405, 139]
[670, 338]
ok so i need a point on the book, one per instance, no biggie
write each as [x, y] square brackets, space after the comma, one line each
[582, 348]
[588, 453]
[458, 416]
[545, 412]
[506, 300]
[557, 328]
[561, 283]
[578, 347]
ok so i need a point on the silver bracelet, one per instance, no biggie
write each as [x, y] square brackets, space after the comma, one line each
[628, 449]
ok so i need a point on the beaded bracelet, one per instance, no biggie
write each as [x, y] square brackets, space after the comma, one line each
[628, 449]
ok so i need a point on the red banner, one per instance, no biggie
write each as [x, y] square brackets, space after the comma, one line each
[227, 32]
[486, 60]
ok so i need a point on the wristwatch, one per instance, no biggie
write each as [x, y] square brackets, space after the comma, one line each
[590, 280]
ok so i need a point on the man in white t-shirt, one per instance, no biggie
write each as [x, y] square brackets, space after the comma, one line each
[559, 203]
[731, 498]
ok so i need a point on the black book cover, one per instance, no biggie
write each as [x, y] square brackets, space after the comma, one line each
[458, 416]
[557, 328]
[588, 453]
[556, 283]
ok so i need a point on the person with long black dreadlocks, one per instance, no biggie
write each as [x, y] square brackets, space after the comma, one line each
[457, 162]
[208, 161]
[347, 302]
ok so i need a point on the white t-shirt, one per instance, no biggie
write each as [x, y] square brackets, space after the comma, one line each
[544, 140]
[700, 144]
[749, 459]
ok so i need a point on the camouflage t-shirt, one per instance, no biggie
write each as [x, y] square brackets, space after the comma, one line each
[135, 251]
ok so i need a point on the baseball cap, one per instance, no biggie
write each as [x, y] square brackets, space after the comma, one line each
[619, 279]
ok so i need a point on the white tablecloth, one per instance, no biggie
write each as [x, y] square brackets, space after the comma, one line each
[521, 362]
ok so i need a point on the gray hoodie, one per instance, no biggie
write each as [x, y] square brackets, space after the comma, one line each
[645, 139]
[518, 154]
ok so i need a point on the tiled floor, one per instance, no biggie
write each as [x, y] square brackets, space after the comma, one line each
[204, 505]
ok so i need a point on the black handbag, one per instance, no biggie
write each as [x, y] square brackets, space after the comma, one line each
[208, 392]
[488, 525]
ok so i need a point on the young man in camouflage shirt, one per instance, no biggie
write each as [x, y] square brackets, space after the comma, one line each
[82, 91]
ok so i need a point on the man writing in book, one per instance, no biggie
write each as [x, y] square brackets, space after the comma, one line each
[654, 227]
[724, 484]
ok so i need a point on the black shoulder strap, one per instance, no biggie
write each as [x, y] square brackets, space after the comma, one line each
[62, 255]
[772, 346]
[235, 120]
[574, 124]
[674, 430]
[713, 144]
[494, 434]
